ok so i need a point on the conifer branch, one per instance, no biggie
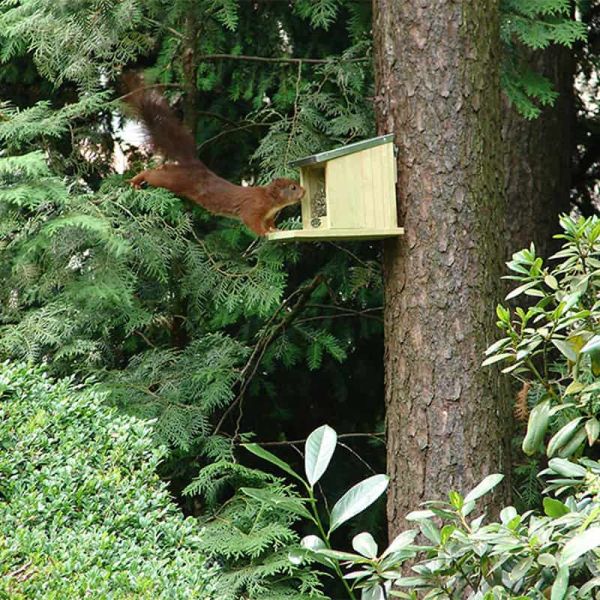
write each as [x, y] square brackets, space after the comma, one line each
[251, 366]
[281, 59]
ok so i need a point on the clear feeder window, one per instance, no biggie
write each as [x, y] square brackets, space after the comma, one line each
[318, 201]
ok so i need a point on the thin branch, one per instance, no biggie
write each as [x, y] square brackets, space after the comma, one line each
[137, 332]
[148, 87]
[345, 308]
[351, 254]
[341, 436]
[176, 33]
[280, 59]
[232, 130]
[344, 314]
[294, 116]
[251, 366]
[360, 458]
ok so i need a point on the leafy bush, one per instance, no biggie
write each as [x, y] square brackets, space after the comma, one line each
[82, 511]
[553, 348]
[521, 557]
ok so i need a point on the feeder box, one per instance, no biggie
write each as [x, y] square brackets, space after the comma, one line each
[350, 193]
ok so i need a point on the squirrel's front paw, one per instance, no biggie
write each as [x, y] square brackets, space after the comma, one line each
[138, 183]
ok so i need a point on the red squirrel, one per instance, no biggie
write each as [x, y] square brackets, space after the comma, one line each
[189, 177]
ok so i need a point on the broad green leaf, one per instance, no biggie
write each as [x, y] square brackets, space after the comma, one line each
[574, 388]
[520, 569]
[566, 468]
[364, 544]
[357, 498]
[563, 436]
[339, 555]
[566, 349]
[579, 545]
[496, 358]
[592, 345]
[573, 444]
[467, 508]
[411, 581]
[536, 427]
[595, 362]
[555, 508]
[448, 530]
[547, 560]
[551, 282]
[589, 586]
[319, 449]
[270, 457]
[358, 574]
[519, 290]
[418, 515]
[400, 542]
[313, 542]
[430, 531]
[490, 482]
[561, 584]
[592, 428]
[374, 592]
[497, 345]
[508, 514]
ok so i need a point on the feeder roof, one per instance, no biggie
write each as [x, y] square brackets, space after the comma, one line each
[342, 151]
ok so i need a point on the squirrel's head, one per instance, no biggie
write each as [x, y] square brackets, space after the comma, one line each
[285, 192]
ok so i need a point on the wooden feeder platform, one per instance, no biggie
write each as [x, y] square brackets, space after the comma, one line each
[350, 193]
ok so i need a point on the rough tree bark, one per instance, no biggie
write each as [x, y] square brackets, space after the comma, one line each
[538, 157]
[438, 89]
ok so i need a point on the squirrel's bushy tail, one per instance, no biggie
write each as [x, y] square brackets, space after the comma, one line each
[166, 133]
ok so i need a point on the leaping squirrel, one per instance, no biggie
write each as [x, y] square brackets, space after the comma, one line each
[189, 177]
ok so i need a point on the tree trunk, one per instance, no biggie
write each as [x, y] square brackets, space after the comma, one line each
[538, 158]
[438, 89]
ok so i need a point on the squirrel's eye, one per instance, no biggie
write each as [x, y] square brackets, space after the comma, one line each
[293, 188]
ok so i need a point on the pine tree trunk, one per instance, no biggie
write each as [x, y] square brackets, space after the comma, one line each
[538, 156]
[438, 89]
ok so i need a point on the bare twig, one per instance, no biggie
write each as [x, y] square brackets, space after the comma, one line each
[360, 459]
[278, 59]
[249, 370]
[232, 130]
[341, 436]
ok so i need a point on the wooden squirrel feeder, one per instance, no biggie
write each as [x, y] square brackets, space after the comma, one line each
[350, 193]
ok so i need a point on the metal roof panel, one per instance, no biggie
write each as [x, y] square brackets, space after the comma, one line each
[342, 151]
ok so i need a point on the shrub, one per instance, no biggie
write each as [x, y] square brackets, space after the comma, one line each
[82, 511]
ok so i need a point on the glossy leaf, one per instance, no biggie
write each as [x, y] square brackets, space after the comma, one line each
[592, 345]
[555, 508]
[561, 584]
[270, 457]
[579, 545]
[563, 436]
[400, 542]
[592, 428]
[319, 449]
[364, 544]
[356, 499]
[490, 482]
